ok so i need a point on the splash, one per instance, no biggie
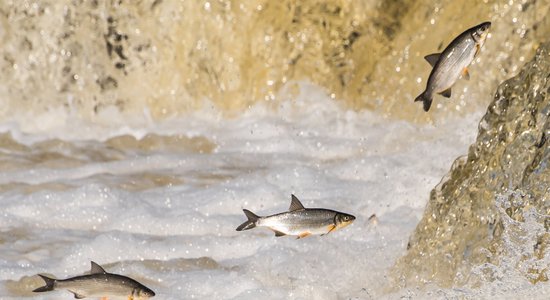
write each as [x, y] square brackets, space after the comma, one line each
[490, 214]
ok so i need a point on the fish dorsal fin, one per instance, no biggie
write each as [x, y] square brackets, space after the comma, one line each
[432, 58]
[295, 204]
[97, 269]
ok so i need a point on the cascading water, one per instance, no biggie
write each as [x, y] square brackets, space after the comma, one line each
[165, 58]
[134, 132]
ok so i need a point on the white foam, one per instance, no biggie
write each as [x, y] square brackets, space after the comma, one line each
[328, 156]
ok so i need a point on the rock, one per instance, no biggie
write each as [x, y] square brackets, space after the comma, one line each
[491, 212]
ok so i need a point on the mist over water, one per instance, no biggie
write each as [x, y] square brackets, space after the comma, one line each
[134, 133]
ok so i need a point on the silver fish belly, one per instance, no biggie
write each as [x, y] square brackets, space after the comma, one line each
[314, 221]
[451, 65]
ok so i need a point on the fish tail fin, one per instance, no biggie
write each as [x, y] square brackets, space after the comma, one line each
[50, 284]
[427, 101]
[250, 223]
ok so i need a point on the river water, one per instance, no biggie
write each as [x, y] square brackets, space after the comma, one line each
[133, 135]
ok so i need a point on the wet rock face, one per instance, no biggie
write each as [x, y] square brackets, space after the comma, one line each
[491, 213]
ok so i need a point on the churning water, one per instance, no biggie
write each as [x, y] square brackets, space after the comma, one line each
[133, 135]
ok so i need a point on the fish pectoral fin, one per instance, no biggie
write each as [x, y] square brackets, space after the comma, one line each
[331, 227]
[278, 233]
[446, 93]
[303, 235]
[465, 74]
[432, 58]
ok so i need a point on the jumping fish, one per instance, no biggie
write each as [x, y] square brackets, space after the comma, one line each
[453, 62]
[98, 283]
[299, 221]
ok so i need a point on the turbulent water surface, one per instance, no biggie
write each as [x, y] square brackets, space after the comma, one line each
[133, 133]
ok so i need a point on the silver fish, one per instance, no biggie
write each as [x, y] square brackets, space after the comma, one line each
[98, 284]
[453, 62]
[299, 221]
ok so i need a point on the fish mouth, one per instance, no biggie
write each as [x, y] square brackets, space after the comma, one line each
[481, 32]
[486, 25]
[347, 222]
[147, 293]
[483, 28]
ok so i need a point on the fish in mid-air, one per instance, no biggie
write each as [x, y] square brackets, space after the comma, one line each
[299, 221]
[453, 62]
[98, 283]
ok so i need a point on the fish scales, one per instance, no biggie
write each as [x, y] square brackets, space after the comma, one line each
[298, 219]
[452, 65]
[98, 285]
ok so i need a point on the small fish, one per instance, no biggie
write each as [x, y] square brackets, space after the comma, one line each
[453, 62]
[98, 284]
[299, 220]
